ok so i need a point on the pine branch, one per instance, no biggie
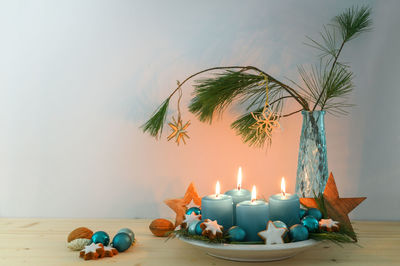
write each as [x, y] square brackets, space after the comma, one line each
[350, 23]
[242, 126]
[213, 95]
[156, 122]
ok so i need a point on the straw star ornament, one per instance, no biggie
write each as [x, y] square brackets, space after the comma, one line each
[266, 122]
[179, 131]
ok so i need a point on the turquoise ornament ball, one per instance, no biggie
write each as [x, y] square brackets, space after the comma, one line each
[298, 232]
[302, 213]
[121, 241]
[129, 232]
[101, 237]
[196, 210]
[192, 228]
[315, 213]
[198, 229]
[236, 234]
[311, 223]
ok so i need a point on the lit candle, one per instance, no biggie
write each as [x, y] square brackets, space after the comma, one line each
[252, 216]
[284, 207]
[218, 207]
[238, 194]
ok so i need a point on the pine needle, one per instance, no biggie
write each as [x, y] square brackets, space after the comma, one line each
[155, 124]
[213, 95]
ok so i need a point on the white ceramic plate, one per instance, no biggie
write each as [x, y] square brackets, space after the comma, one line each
[237, 252]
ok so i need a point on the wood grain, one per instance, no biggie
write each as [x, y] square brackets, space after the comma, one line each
[43, 242]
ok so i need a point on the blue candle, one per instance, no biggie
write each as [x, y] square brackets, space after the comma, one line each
[284, 207]
[218, 207]
[238, 194]
[252, 216]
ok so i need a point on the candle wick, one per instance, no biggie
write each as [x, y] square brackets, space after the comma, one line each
[239, 187]
[283, 193]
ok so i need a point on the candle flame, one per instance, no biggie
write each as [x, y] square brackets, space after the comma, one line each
[283, 190]
[253, 194]
[239, 178]
[217, 189]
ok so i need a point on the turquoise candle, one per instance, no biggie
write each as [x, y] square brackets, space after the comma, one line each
[218, 207]
[284, 207]
[252, 217]
[238, 194]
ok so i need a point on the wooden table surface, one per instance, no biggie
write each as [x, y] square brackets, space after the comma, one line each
[43, 242]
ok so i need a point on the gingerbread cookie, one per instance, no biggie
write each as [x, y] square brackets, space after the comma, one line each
[189, 219]
[273, 234]
[110, 251]
[92, 252]
[328, 225]
[211, 229]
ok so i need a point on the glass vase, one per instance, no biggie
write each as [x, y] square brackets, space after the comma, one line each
[312, 167]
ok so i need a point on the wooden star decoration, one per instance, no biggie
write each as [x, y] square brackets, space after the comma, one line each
[179, 206]
[179, 131]
[336, 208]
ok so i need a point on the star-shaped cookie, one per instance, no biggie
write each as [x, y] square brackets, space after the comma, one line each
[328, 225]
[92, 252]
[179, 206]
[211, 229]
[110, 251]
[273, 234]
[190, 218]
[337, 208]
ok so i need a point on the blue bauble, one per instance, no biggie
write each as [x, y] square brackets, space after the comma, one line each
[280, 224]
[129, 232]
[298, 232]
[302, 213]
[192, 228]
[315, 213]
[236, 234]
[311, 223]
[196, 210]
[198, 229]
[101, 237]
[121, 241]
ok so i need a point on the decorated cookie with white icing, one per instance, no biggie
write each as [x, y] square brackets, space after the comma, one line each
[211, 229]
[92, 252]
[329, 225]
[273, 234]
[189, 219]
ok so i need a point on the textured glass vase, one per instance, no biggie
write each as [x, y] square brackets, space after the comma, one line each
[312, 167]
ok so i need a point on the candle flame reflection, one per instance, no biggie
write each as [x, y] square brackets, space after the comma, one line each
[253, 194]
[283, 190]
[217, 189]
[239, 178]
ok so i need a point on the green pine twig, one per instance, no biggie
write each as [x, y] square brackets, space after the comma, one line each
[155, 124]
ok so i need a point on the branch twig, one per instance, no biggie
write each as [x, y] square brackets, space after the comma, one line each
[289, 90]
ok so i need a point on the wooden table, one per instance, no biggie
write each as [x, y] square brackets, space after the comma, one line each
[43, 242]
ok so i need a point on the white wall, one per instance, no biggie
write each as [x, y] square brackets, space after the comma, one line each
[78, 78]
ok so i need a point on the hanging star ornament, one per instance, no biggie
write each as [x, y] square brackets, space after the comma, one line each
[266, 122]
[179, 206]
[336, 208]
[273, 234]
[179, 131]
